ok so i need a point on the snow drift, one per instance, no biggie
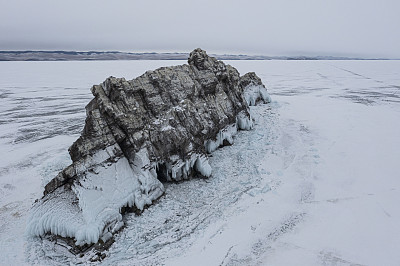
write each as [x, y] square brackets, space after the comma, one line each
[138, 133]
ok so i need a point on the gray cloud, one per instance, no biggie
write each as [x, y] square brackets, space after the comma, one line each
[334, 27]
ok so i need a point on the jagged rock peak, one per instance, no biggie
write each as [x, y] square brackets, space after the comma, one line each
[201, 60]
[139, 133]
[250, 79]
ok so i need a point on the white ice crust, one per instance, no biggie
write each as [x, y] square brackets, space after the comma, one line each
[244, 122]
[92, 208]
[226, 133]
[254, 94]
[181, 169]
[203, 166]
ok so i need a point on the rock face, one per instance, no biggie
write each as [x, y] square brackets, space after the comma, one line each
[139, 133]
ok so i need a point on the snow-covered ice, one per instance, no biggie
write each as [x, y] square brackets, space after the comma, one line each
[316, 182]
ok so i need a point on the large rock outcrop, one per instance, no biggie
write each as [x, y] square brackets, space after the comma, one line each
[139, 133]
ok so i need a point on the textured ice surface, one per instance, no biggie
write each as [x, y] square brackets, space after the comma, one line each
[96, 199]
[276, 197]
[52, 214]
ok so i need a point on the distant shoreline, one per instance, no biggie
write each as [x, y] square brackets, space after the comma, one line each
[115, 55]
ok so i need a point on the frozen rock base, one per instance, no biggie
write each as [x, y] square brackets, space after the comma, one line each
[139, 133]
[255, 91]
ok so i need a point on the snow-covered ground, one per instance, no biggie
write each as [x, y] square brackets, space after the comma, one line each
[317, 182]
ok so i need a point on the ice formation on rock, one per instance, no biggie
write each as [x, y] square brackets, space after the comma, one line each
[255, 90]
[138, 133]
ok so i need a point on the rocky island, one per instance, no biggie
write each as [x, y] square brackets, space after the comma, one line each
[138, 134]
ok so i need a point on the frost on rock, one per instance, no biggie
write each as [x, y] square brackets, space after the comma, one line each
[254, 94]
[224, 137]
[93, 202]
[138, 134]
[254, 89]
[244, 122]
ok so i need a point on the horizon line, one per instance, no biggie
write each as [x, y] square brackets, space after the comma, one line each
[297, 56]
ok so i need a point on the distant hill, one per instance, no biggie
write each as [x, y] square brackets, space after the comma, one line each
[115, 55]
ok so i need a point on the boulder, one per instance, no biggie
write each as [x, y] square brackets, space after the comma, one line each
[139, 133]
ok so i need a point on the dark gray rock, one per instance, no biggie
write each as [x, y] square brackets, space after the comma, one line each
[250, 79]
[157, 127]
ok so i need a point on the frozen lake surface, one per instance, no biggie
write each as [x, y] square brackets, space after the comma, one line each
[317, 182]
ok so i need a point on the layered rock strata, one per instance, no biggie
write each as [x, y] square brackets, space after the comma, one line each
[139, 133]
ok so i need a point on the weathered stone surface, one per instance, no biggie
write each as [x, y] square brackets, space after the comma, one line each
[250, 79]
[159, 126]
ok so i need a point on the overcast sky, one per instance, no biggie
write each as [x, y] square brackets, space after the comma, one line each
[279, 27]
